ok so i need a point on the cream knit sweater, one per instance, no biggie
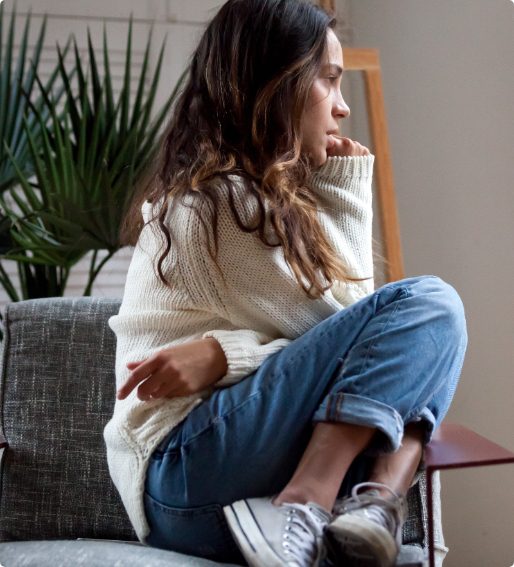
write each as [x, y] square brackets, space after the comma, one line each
[258, 310]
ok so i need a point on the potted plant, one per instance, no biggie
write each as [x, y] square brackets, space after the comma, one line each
[85, 164]
[17, 87]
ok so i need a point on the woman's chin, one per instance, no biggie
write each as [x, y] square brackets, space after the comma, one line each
[319, 159]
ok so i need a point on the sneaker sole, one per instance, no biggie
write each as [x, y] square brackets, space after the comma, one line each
[248, 536]
[354, 542]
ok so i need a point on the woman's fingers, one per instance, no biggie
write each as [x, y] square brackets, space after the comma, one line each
[175, 371]
[155, 389]
[346, 147]
[163, 391]
[141, 372]
[151, 388]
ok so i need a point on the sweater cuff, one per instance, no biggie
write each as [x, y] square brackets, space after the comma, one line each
[244, 352]
[338, 167]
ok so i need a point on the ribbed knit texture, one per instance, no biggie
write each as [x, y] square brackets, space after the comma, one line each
[255, 310]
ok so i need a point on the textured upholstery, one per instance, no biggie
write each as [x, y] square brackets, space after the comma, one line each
[57, 391]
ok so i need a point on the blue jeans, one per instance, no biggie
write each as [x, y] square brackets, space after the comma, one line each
[392, 358]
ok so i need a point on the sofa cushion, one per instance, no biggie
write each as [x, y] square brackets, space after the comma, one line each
[57, 392]
[119, 554]
[93, 554]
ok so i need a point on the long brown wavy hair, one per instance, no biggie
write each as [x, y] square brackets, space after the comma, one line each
[239, 113]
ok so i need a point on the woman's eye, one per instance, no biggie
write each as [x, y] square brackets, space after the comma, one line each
[332, 79]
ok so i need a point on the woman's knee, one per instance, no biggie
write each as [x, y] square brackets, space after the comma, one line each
[450, 304]
[443, 304]
[447, 327]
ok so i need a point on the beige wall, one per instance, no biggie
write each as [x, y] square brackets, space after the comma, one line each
[449, 94]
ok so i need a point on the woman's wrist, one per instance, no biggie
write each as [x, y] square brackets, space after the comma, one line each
[218, 358]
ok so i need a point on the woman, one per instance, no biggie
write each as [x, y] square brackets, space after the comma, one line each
[258, 372]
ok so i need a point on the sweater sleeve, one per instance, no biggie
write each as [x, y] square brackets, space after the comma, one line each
[343, 188]
[245, 349]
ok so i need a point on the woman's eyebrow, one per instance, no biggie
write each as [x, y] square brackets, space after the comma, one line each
[335, 68]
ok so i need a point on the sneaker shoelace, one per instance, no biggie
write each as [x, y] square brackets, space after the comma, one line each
[303, 533]
[388, 513]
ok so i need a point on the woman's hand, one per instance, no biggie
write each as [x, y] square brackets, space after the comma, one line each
[176, 371]
[339, 146]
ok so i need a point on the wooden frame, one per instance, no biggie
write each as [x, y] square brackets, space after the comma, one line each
[367, 61]
[328, 5]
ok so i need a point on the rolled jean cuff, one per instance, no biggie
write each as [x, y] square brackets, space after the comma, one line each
[359, 410]
[429, 420]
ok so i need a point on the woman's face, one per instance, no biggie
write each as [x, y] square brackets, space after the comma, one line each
[325, 104]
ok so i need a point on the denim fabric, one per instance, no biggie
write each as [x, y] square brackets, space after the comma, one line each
[392, 358]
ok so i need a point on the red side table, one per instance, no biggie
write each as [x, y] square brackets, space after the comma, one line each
[456, 447]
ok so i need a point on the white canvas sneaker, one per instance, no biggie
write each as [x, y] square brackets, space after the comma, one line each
[276, 536]
[367, 528]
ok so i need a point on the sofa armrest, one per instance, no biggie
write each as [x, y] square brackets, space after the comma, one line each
[3, 442]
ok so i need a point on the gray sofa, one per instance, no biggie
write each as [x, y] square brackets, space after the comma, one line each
[58, 505]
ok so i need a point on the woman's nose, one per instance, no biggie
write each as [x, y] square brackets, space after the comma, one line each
[341, 109]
